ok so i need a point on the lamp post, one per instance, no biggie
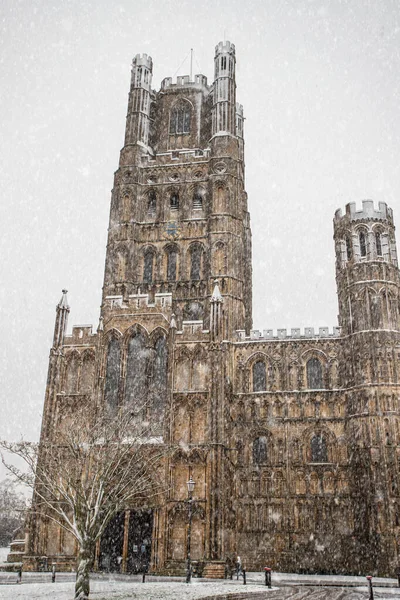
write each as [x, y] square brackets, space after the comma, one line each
[190, 487]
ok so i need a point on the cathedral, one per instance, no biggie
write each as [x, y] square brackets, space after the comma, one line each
[291, 437]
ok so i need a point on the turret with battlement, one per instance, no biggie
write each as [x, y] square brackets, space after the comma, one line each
[138, 117]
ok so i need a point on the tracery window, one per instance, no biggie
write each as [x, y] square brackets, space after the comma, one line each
[174, 201]
[152, 204]
[259, 376]
[196, 254]
[319, 450]
[197, 201]
[348, 247]
[363, 244]
[135, 378]
[148, 266]
[314, 374]
[180, 119]
[260, 450]
[172, 257]
[112, 375]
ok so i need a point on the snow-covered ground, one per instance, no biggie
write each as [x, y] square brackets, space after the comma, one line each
[178, 590]
[3, 554]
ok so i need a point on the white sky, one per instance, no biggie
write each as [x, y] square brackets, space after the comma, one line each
[319, 81]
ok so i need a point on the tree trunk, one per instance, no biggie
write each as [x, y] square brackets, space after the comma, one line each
[82, 585]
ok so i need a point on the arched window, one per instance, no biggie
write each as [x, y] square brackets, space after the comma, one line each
[348, 247]
[363, 244]
[112, 375]
[172, 256]
[260, 450]
[135, 379]
[87, 373]
[319, 450]
[148, 266]
[196, 255]
[378, 243]
[71, 378]
[259, 376]
[197, 201]
[174, 201]
[158, 382]
[179, 121]
[152, 204]
[314, 374]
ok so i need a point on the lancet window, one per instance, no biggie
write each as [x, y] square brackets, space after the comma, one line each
[112, 374]
[260, 450]
[319, 449]
[180, 119]
[314, 374]
[259, 376]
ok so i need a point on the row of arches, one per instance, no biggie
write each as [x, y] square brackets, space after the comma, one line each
[302, 483]
[367, 244]
[375, 309]
[78, 372]
[314, 375]
[306, 405]
[318, 447]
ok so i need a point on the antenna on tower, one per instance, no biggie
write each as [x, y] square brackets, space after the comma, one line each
[191, 63]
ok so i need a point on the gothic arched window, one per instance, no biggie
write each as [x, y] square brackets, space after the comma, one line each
[152, 204]
[179, 121]
[363, 244]
[314, 374]
[135, 379]
[172, 257]
[260, 450]
[319, 450]
[112, 374]
[197, 201]
[259, 376]
[196, 255]
[378, 243]
[158, 382]
[148, 266]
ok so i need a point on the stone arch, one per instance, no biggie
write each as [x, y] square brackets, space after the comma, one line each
[320, 445]
[148, 264]
[362, 246]
[196, 253]
[171, 259]
[220, 193]
[137, 366]
[315, 375]
[180, 117]
[220, 258]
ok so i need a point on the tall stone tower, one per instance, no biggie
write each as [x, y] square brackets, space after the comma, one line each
[368, 285]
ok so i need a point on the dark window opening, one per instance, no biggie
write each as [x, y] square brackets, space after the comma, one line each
[363, 244]
[112, 375]
[151, 207]
[174, 202]
[148, 267]
[260, 450]
[259, 377]
[197, 201]
[180, 119]
[223, 63]
[319, 451]
[171, 265]
[195, 263]
[348, 247]
[378, 243]
[314, 374]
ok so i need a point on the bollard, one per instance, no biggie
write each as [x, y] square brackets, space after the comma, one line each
[19, 575]
[244, 576]
[267, 577]
[398, 576]
[370, 588]
[144, 577]
[53, 573]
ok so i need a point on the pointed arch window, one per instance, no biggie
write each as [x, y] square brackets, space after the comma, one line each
[363, 244]
[152, 204]
[314, 374]
[197, 201]
[319, 449]
[196, 255]
[174, 201]
[260, 450]
[112, 375]
[172, 259]
[135, 380]
[348, 247]
[179, 121]
[259, 376]
[378, 243]
[148, 264]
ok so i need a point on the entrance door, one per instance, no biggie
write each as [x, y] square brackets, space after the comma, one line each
[139, 540]
[111, 545]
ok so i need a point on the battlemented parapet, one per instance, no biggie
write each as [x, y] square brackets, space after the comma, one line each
[225, 48]
[295, 334]
[199, 81]
[81, 335]
[368, 211]
[140, 302]
[142, 67]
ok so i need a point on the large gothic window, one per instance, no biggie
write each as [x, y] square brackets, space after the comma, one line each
[148, 266]
[152, 204]
[319, 450]
[378, 243]
[260, 450]
[172, 258]
[259, 376]
[136, 367]
[180, 119]
[196, 255]
[314, 374]
[159, 381]
[112, 375]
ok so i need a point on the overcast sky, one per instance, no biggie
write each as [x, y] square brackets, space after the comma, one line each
[319, 81]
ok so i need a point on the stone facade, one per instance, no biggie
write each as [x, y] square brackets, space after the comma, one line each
[293, 440]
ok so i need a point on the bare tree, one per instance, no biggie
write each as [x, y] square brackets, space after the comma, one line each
[89, 473]
[12, 509]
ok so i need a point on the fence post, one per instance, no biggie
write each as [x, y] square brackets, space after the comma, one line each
[244, 576]
[370, 588]
[19, 575]
[53, 573]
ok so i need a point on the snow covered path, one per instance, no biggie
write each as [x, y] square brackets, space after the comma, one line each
[172, 590]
